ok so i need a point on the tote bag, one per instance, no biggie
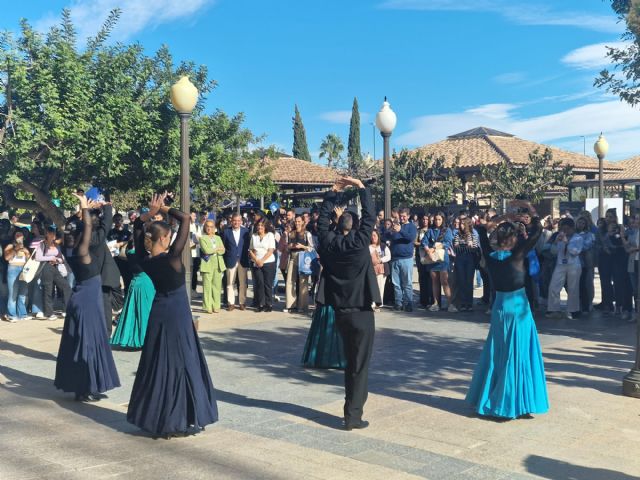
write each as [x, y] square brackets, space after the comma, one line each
[305, 259]
[30, 269]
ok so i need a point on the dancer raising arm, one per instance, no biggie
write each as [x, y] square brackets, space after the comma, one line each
[172, 393]
[85, 363]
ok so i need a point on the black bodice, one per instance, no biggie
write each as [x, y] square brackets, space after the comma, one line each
[164, 277]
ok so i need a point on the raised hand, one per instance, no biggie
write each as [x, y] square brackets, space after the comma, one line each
[84, 203]
[338, 211]
[157, 202]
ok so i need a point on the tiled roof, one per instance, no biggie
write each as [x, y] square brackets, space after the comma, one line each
[630, 170]
[484, 146]
[289, 170]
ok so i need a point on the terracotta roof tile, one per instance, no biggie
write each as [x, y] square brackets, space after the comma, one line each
[475, 147]
[289, 170]
[630, 170]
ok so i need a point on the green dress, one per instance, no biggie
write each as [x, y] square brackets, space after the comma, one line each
[132, 324]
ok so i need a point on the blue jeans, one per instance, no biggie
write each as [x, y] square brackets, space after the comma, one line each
[16, 305]
[402, 279]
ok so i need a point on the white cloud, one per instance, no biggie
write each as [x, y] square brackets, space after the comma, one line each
[343, 117]
[591, 57]
[615, 118]
[521, 13]
[510, 78]
[89, 15]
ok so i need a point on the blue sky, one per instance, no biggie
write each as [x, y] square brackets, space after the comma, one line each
[525, 67]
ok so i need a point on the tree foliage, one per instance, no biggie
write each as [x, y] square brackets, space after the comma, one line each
[624, 80]
[300, 147]
[101, 115]
[331, 148]
[527, 182]
[354, 155]
[422, 180]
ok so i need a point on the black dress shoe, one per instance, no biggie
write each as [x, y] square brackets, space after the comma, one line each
[359, 425]
[259, 309]
[268, 308]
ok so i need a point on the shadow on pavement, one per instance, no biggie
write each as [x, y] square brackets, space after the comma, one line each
[33, 386]
[560, 470]
[26, 351]
[301, 411]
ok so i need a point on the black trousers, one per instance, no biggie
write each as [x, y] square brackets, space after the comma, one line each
[424, 280]
[112, 299]
[263, 284]
[50, 276]
[357, 330]
[195, 268]
[125, 271]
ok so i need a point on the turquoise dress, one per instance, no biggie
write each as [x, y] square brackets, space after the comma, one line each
[509, 380]
[324, 347]
[132, 323]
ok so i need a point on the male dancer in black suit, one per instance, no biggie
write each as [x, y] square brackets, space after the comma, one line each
[349, 285]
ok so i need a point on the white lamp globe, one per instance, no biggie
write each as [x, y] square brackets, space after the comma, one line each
[386, 118]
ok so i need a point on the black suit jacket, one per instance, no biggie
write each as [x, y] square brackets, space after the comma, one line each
[348, 278]
[100, 252]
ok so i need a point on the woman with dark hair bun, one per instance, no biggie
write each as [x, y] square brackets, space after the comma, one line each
[509, 380]
[172, 393]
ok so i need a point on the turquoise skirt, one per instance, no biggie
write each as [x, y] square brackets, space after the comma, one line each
[132, 324]
[324, 347]
[509, 380]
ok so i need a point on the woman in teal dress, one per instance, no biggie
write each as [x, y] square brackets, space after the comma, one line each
[132, 323]
[509, 380]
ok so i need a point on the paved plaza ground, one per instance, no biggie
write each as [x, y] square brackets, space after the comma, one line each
[281, 421]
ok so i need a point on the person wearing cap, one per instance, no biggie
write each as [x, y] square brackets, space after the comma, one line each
[349, 285]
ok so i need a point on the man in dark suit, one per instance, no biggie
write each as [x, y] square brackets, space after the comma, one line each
[350, 287]
[236, 239]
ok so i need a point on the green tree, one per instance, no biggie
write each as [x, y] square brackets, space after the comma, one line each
[527, 182]
[625, 82]
[331, 148]
[101, 115]
[354, 156]
[300, 147]
[419, 179]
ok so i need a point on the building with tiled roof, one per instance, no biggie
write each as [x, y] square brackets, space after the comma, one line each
[292, 173]
[485, 146]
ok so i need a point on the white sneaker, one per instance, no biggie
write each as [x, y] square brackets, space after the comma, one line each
[434, 308]
[39, 315]
[452, 309]
[12, 319]
[52, 317]
[277, 298]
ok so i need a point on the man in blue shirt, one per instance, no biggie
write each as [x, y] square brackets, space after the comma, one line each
[402, 235]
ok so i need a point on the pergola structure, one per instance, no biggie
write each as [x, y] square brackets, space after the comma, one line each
[628, 175]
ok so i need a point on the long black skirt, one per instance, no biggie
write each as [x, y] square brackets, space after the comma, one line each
[172, 391]
[85, 363]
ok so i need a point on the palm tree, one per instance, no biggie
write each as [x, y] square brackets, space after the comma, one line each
[331, 148]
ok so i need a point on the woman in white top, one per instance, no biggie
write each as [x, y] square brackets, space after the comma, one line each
[380, 255]
[16, 255]
[263, 244]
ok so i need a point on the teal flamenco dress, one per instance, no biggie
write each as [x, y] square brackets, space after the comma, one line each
[324, 347]
[509, 380]
[132, 324]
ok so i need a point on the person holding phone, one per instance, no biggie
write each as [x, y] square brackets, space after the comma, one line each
[568, 247]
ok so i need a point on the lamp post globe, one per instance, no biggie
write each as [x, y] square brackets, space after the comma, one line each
[184, 97]
[601, 148]
[386, 121]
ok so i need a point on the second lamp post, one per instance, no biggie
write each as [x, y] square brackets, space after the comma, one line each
[184, 97]
[386, 121]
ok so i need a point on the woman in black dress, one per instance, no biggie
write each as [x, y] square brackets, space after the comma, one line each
[85, 363]
[172, 393]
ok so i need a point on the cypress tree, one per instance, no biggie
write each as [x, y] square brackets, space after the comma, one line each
[300, 147]
[353, 153]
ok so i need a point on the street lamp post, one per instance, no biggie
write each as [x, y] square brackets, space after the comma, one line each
[601, 147]
[184, 97]
[386, 121]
